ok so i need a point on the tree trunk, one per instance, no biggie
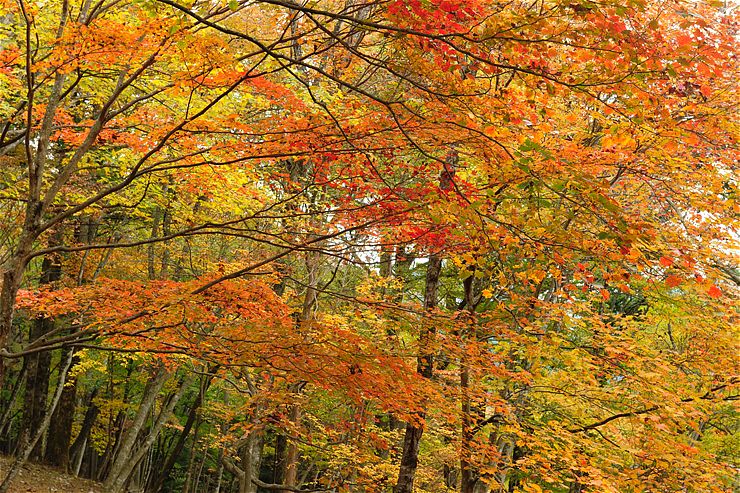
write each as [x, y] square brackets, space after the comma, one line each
[220, 471]
[60, 430]
[5, 419]
[77, 449]
[14, 267]
[188, 486]
[424, 367]
[151, 252]
[115, 425]
[286, 449]
[246, 477]
[222, 452]
[126, 449]
[166, 468]
[289, 466]
[38, 365]
[467, 479]
[467, 475]
[12, 274]
[27, 449]
[251, 459]
[200, 470]
[164, 264]
[115, 484]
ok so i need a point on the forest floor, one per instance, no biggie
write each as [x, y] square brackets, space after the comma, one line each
[35, 478]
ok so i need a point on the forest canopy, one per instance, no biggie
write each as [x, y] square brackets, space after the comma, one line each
[403, 245]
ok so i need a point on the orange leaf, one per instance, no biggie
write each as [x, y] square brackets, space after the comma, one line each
[672, 281]
[714, 291]
[666, 262]
[684, 39]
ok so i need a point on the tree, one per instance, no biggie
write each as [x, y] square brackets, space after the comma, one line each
[224, 185]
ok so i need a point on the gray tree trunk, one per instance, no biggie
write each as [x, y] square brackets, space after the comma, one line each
[114, 482]
[251, 460]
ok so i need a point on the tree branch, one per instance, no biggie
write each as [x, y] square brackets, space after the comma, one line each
[612, 418]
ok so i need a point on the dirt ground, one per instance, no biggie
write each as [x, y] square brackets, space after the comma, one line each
[41, 479]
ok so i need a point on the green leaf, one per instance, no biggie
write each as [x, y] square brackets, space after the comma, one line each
[529, 145]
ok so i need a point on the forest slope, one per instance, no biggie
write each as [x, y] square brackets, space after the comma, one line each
[35, 478]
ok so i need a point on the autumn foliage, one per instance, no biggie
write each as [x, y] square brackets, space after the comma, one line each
[371, 246]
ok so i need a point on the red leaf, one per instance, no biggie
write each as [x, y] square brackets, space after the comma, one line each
[714, 291]
[666, 262]
[448, 6]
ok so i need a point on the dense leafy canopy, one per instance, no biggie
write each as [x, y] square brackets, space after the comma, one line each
[263, 235]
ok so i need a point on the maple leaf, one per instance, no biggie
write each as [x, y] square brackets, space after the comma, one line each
[714, 291]
[673, 280]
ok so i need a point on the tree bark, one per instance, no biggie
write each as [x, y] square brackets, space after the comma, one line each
[38, 365]
[12, 275]
[44, 425]
[288, 458]
[126, 450]
[60, 430]
[116, 484]
[7, 412]
[77, 449]
[289, 466]
[251, 459]
[177, 449]
[424, 367]
[467, 475]
[115, 425]
[467, 479]
[188, 486]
